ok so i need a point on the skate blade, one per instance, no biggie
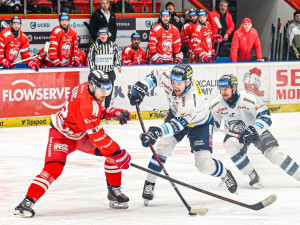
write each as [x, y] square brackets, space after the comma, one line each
[24, 214]
[146, 202]
[118, 205]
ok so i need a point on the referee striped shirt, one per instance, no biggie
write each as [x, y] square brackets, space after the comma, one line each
[104, 56]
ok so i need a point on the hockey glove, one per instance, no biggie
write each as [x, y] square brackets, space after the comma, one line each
[75, 61]
[178, 58]
[249, 135]
[151, 136]
[213, 55]
[205, 59]
[217, 38]
[137, 93]
[122, 159]
[117, 114]
[34, 66]
[56, 63]
[6, 64]
[156, 59]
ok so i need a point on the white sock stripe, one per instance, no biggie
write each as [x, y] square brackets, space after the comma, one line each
[43, 181]
[113, 171]
[40, 184]
[289, 166]
[110, 167]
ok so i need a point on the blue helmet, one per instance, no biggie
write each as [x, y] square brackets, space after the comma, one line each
[16, 19]
[182, 72]
[64, 16]
[165, 12]
[193, 12]
[228, 80]
[202, 12]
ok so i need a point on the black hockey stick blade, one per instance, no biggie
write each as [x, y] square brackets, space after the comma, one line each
[87, 26]
[258, 206]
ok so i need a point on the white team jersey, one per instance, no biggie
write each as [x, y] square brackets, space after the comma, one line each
[248, 110]
[190, 109]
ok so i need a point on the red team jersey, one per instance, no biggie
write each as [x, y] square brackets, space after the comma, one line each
[10, 47]
[81, 116]
[82, 57]
[132, 57]
[63, 46]
[186, 32]
[202, 40]
[163, 42]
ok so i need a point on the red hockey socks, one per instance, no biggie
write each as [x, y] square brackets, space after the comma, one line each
[112, 172]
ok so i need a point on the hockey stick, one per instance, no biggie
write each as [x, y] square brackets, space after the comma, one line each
[217, 21]
[33, 57]
[257, 206]
[193, 212]
[4, 24]
[88, 47]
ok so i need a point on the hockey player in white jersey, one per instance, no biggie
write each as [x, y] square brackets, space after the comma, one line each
[244, 113]
[188, 115]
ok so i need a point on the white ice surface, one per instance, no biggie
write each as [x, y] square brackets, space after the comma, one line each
[79, 194]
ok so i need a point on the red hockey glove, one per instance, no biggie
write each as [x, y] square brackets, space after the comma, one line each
[6, 64]
[34, 66]
[75, 61]
[213, 55]
[156, 59]
[217, 38]
[185, 41]
[178, 58]
[122, 159]
[204, 58]
[139, 61]
[117, 114]
[56, 63]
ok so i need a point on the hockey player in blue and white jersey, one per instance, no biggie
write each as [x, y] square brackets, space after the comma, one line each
[244, 113]
[188, 115]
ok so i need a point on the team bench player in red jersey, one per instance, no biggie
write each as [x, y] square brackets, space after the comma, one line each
[77, 127]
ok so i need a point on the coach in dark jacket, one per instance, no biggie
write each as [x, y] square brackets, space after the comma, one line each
[103, 17]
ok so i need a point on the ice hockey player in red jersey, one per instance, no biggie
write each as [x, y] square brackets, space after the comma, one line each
[81, 54]
[12, 42]
[134, 54]
[77, 127]
[164, 42]
[203, 41]
[63, 49]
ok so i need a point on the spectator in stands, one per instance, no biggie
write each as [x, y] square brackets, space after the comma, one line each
[225, 18]
[202, 41]
[164, 42]
[104, 17]
[14, 42]
[81, 54]
[175, 20]
[244, 39]
[66, 6]
[134, 54]
[63, 49]
[293, 36]
[11, 6]
[35, 8]
[186, 16]
[117, 7]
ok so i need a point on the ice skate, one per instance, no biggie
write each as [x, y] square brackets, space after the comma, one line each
[230, 182]
[255, 180]
[24, 209]
[148, 192]
[117, 199]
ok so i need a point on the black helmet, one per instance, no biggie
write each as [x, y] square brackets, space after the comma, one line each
[135, 35]
[64, 16]
[228, 80]
[193, 12]
[99, 79]
[165, 12]
[16, 19]
[182, 72]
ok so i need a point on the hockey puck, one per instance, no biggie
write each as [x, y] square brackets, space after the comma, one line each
[192, 214]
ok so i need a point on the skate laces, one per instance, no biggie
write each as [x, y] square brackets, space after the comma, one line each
[228, 181]
[149, 190]
[28, 203]
[117, 191]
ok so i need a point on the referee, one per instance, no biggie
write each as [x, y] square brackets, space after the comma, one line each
[104, 55]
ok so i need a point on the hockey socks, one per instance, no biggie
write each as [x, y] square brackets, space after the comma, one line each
[242, 162]
[154, 166]
[112, 172]
[42, 182]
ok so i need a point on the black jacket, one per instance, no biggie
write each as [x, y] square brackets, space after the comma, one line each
[98, 20]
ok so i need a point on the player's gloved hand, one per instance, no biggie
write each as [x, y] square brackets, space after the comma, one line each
[250, 135]
[151, 136]
[34, 66]
[156, 59]
[185, 41]
[178, 58]
[137, 93]
[213, 55]
[117, 114]
[6, 64]
[217, 38]
[122, 159]
[204, 58]
[75, 61]
[56, 63]
[139, 61]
